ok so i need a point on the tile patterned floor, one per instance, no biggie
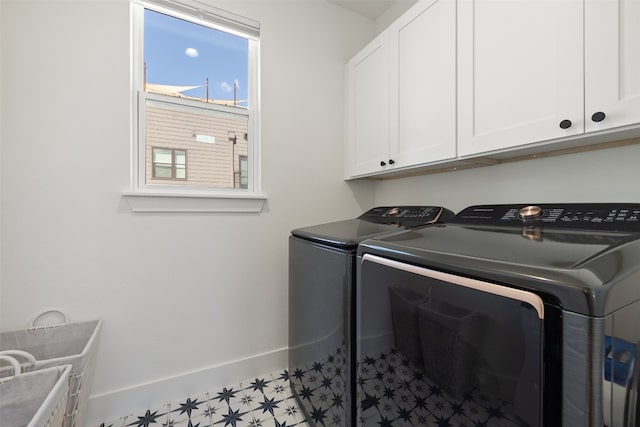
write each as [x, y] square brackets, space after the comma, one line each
[264, 401]
[322, 389]
[392, 391]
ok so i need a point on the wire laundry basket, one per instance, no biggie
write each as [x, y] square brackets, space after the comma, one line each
[65, 343]
[34, 399]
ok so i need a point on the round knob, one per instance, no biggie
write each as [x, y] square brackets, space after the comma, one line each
[565, 124]
[598, 117]
[383, 164]
[392, 162]
[530, 212]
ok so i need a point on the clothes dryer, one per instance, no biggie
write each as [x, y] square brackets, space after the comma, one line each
[322, 277]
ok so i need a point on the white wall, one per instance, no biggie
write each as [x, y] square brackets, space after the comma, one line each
[178, 293]
[185, 293]
[610, 175]
[396, 9]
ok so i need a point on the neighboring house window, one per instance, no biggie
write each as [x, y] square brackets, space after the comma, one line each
[195, 83]
[169, 164]
[244, 172]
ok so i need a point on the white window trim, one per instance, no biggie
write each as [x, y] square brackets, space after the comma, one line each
[159, 198]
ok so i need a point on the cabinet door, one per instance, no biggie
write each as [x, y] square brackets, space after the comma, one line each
[612, 63]
[367, 122]
[423, 84]
[520, 72]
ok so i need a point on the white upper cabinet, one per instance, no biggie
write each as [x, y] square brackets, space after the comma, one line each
[455, 80]
[423, 84]
[612, 63]
[520, 75]
[367, 109]
[400, 107]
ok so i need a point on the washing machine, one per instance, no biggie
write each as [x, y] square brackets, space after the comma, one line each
[322, 277]
[507, 315]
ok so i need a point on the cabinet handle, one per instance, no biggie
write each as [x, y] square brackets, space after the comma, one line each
[383, 164]
[565, 124]
[598, 117]
[392, 162]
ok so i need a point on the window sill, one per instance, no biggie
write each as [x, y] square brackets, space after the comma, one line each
[147, 201]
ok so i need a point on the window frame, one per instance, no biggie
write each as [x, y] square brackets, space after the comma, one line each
[146, 197]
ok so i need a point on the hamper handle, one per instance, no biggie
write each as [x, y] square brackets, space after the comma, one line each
[14, 363]
[30, 357]
[65, 319]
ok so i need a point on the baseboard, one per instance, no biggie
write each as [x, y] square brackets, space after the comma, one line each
[138, 398]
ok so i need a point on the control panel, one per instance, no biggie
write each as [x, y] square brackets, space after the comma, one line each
[407, 216]
[596, 216]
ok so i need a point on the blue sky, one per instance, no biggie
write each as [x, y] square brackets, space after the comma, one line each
[181, 53]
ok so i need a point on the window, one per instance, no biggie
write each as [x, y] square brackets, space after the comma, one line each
[243, 178]
[195, 91]
[168, 164]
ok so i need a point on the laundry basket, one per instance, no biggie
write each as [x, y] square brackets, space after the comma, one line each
[35, 399]
[449, 336]
[404, 318]
[66, 343]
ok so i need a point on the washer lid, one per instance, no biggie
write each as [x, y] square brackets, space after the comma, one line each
[593, 272]
[549, 249]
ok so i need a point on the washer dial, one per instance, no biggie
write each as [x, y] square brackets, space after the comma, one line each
[530, 212]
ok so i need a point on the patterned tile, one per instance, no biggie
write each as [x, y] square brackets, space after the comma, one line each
[264, 401]
[321, 388]
[252, 398]
[392, 391]
[231, 396]
[117, 423]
